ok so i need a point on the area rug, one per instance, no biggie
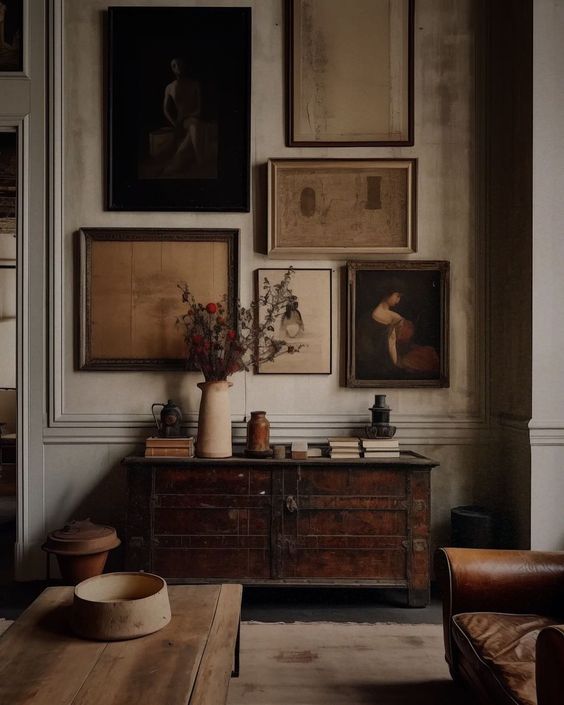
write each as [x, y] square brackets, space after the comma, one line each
[322, 663]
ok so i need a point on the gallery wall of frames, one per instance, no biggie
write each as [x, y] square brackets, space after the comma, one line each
[215, 146]
[178, 125]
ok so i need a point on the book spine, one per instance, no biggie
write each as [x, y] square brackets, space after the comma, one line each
[173, 443]
[168, 453]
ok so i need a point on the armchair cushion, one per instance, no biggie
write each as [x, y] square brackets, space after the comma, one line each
[501, 649]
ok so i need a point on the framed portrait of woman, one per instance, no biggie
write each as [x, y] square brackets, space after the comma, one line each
[397, 324]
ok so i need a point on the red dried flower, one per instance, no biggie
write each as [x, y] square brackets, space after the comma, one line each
[197, 339]
[211, 308]
[231, 335]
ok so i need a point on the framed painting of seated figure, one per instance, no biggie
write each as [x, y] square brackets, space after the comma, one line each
[179, 107]
[397, 324]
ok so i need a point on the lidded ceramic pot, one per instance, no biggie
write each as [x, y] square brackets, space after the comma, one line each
[81, 548]
[258, 436]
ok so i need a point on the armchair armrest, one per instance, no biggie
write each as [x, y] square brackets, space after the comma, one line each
[550, 665]
[487, 580]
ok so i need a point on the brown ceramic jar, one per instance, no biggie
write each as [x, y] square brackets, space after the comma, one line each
[258, 435]
[81, 548]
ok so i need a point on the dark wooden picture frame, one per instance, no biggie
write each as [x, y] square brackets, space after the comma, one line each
[179, 82]
[397, 324]
[314, 322]
[129, 297]
[309, 52]
[12, 38]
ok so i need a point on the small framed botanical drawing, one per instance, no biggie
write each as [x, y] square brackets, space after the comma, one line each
[397, 324]
[349, 72]
[179, 108]
[341, 207]
[130, 299]
[305, 323]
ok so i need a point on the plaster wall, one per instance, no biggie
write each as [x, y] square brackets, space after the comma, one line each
[547, 424]
[95, 418]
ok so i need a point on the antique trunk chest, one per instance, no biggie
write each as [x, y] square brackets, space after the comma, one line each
[282, 522]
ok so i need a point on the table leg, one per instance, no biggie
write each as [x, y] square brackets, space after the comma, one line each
[235, 671]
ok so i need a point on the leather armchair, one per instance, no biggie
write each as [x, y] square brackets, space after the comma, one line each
[491, 589]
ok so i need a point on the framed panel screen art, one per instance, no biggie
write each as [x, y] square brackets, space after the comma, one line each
[130, 299]
[341, 207]
[397, 324]
[305, 322]
[350, 72]
[179, 108]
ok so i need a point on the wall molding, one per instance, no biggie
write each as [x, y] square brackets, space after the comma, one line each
[532, 432]
[313, 428]
[546, 432]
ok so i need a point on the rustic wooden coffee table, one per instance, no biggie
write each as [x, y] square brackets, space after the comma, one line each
[189, 662]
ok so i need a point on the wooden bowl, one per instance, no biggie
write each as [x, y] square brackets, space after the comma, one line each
[119, 606]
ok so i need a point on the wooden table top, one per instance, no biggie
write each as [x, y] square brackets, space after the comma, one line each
[188, 662]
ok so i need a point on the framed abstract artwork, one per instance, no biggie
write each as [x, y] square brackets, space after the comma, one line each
[11, 36]
[305, 324]
[397, 324]
[349, 72]
[130, 299]
[179, 108]
[341, 207]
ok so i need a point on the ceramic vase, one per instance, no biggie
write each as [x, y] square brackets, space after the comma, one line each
[258, 435]
[214, 421]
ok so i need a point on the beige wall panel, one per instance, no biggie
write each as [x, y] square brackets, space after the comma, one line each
[444, 122]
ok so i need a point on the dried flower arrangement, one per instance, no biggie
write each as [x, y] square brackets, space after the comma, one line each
[219, 344]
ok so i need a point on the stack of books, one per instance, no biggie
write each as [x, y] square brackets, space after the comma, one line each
[169, 447]
[344, 447]
[380, 447]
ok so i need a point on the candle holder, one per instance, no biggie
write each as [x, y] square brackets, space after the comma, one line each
[380, 426]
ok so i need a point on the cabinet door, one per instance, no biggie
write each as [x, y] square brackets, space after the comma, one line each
[212, 523]
[345, 523]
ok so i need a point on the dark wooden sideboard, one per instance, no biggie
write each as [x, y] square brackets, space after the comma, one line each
[282, 522]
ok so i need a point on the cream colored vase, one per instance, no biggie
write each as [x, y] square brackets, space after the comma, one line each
[214, 421]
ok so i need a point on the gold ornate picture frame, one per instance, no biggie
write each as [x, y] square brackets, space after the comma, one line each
[129, 296]
[341, 208]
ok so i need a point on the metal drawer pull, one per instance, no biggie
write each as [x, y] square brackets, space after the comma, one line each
[291, 504]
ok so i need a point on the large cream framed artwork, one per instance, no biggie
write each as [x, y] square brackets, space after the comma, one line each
[339, 208]
[130, 300]
[349, 72]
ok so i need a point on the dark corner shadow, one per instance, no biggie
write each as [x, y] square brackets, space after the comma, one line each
[434, 692]
[105, 504]
[57, 621]
[260, 210]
